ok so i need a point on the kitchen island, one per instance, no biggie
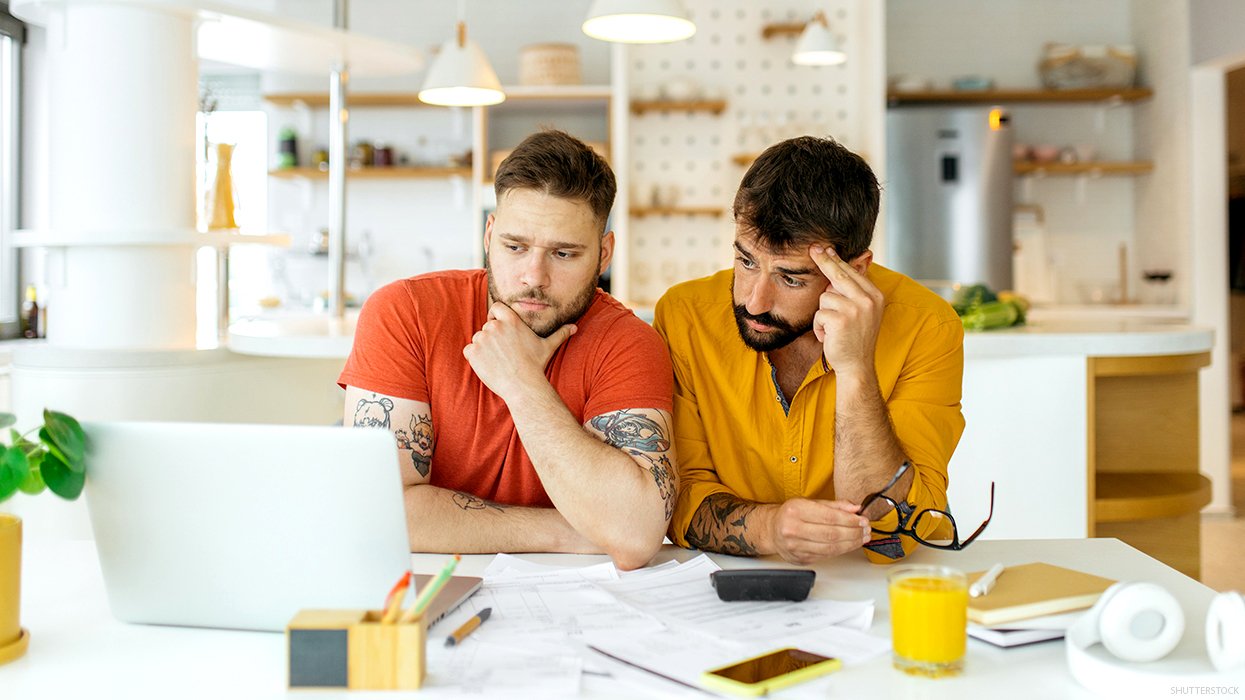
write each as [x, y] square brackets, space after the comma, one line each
[1088, 429]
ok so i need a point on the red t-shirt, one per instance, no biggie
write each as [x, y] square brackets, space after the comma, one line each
[409, 344]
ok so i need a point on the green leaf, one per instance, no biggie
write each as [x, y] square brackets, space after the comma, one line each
[10, 478]
[7, 419]
[67, 435]
[62, 480]
[33, 484]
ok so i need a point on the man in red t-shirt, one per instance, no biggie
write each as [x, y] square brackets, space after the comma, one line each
[532, 410]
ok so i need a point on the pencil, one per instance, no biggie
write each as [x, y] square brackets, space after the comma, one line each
[393, 601]
[424, 599]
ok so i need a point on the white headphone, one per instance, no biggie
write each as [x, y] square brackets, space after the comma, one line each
[1142, 622]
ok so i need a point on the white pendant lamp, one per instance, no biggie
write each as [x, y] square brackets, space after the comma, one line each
[461, 76]
[638, 21]
[817, 46]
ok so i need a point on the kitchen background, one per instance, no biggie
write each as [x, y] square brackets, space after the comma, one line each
[678, 166]
[1069, 229]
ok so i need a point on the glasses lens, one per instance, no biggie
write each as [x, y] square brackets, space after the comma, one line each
[938, 523]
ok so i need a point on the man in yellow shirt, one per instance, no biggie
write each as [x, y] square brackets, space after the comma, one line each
[807, 375]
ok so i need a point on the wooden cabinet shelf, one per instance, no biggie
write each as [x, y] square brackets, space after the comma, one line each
[386, 173]
[1033, 95]
[362, 99]
[1091, 168]
[643, 106]
[1122, 496]
[641, 212]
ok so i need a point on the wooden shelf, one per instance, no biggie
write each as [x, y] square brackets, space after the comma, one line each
[782, 29]
[514, 93]
[1122, 496]
[641, 212]
[1092, 168]
[744, 159]
[643, 106]
[1026, 95]
[387, 173]
[362, 99]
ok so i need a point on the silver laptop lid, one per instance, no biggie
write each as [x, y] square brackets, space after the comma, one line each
[241, 526]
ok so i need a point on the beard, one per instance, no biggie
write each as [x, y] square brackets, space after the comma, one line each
[563, 314]
[782, 335]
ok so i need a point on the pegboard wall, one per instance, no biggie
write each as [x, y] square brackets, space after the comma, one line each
[695, 159]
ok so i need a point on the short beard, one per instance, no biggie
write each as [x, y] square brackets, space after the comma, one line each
[784, 332]
[570, 313]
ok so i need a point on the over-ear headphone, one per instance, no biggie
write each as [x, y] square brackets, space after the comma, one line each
[1142, 622]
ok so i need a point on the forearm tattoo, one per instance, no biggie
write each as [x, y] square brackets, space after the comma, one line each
[623, 429]
[720, 524]
[468, 502]
[663, 473]
[420, 441]
[373, 414]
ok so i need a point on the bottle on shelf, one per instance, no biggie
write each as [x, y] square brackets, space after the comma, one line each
[30, 314]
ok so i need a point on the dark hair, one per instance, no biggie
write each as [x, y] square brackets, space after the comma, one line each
[809, 190]
[562, 166]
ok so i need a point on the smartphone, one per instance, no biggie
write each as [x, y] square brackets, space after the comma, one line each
[770, 671]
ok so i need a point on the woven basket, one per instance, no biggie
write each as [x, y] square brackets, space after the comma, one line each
[549, 64]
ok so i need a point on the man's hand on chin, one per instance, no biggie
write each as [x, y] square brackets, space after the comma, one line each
[507, 356]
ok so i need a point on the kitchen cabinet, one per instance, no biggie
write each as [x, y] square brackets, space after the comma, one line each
[1088, 429]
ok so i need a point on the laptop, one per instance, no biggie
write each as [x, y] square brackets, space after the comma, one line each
[242, 526]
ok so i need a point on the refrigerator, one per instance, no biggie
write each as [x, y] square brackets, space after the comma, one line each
[948, 195]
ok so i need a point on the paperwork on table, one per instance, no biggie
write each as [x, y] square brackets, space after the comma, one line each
[535, 643]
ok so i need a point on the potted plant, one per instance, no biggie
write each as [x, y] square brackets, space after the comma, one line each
[55, 459]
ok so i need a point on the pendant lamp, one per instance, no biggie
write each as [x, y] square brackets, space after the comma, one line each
[461, 76]
[817, 46]
[638, 21]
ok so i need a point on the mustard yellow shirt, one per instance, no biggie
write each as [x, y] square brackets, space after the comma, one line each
[732, 434]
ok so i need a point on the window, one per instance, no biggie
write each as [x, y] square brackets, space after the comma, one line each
[12, 37]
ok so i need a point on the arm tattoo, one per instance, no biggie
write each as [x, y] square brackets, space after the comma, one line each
[720, 524]
[623, 429]
[663, 473]
[372, 414]
[468, 502]
[419, 440]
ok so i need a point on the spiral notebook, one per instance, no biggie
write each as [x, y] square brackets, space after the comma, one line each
[1031, 590]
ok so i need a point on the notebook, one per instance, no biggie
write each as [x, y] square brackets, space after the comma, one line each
[1031, 590]
[241, 526]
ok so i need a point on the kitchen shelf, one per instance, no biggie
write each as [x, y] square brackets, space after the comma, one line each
[1092, 168]
[896, 97]
[641, 107]
[641, 212]
[377, 173]
[1122, 496]
[357, 99]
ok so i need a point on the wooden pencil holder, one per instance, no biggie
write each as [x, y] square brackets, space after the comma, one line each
[351, 649]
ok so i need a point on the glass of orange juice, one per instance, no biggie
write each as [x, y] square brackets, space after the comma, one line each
[929, 619]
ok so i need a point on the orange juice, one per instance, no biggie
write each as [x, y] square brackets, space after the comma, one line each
[929, 619]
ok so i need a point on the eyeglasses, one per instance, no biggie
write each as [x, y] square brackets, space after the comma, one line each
[909, 523]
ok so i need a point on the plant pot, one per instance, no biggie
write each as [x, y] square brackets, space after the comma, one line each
[13, 639]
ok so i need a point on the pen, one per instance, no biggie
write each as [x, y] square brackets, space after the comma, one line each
[983, 585]
[393, 601]
[468, 627]
[424, 599]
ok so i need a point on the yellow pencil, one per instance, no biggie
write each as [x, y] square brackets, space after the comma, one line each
[424, 599]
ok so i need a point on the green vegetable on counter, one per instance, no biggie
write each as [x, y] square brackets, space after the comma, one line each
[992, 314]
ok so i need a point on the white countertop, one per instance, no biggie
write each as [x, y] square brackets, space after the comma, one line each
[321, 336]
[1097, 337]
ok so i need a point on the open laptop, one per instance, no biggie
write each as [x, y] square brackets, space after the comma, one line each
[242, 526]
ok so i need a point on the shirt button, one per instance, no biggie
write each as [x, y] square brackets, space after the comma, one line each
[794, 459]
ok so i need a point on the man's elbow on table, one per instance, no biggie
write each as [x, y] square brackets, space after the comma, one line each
[633, 552]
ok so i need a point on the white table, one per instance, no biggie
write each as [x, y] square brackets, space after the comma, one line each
[78, 650]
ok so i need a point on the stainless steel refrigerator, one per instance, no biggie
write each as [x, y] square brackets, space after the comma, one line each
[948, 194]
